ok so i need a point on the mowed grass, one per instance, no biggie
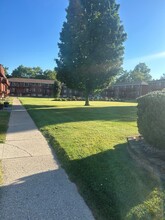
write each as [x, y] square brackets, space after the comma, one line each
[91, 144]
[4, 118]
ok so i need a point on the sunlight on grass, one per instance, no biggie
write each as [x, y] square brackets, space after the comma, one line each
[152, 208]
[90, 142]
[49, 102]
[91, 137]
[90, 129]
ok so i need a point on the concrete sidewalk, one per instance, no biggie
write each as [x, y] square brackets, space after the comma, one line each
[35, 186]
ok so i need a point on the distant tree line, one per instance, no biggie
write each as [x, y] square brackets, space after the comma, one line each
[31, 72]
[140, 73]
[163, 76]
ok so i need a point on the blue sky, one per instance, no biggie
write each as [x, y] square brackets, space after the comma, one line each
[144, 22]
[30, 33]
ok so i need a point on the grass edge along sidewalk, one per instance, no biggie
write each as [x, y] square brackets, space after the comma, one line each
[90, 143]
[4, 119]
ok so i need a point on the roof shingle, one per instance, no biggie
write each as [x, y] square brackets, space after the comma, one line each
[30, 80]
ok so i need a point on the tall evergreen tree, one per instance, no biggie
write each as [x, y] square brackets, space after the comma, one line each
[91, 47]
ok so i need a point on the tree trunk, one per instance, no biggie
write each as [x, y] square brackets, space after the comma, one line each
[87, 99]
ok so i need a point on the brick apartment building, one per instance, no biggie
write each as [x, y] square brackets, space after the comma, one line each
[68, 93]
[38, 88]
[31, 87]
[44, 88]
[133, 90]
[4, 83]
[156, 85]
[127, 90]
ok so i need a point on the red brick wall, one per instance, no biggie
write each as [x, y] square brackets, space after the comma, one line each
[4, 84]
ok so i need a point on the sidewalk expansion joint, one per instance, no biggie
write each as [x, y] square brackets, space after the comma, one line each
[19, 149]
[24, 139]
[36, 156]
[18, 110]
[14, 158]
[21, 124]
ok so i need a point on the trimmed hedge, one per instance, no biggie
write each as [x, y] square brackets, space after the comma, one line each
[151, 118]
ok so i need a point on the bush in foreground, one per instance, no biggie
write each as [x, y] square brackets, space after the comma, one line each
[151, 118]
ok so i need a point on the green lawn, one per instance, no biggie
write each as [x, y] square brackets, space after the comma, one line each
[4, 118]
[91, 144]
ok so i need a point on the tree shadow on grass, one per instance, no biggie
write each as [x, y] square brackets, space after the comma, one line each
[46, 115]
[53, 115]
[114, 186]
[110, 182]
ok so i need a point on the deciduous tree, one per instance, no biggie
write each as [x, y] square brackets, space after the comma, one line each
[140, 73]
[91, 45]
[25, 72]
[49, 74]
[163, 76]
[34, 72]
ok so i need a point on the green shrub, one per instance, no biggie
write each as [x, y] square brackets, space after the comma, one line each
[151, 118]
[63, 99]
[57, 99]
[60, 99]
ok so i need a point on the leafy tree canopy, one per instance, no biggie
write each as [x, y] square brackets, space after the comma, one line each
[25, 72]
[163, 76]
[49, 74]
[138, 74]
[124, 76]
[141, 73]
[35, 72]
[91, 45]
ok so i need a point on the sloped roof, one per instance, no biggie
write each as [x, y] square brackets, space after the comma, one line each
[131, 84]
[156, 81]
[30, 80]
